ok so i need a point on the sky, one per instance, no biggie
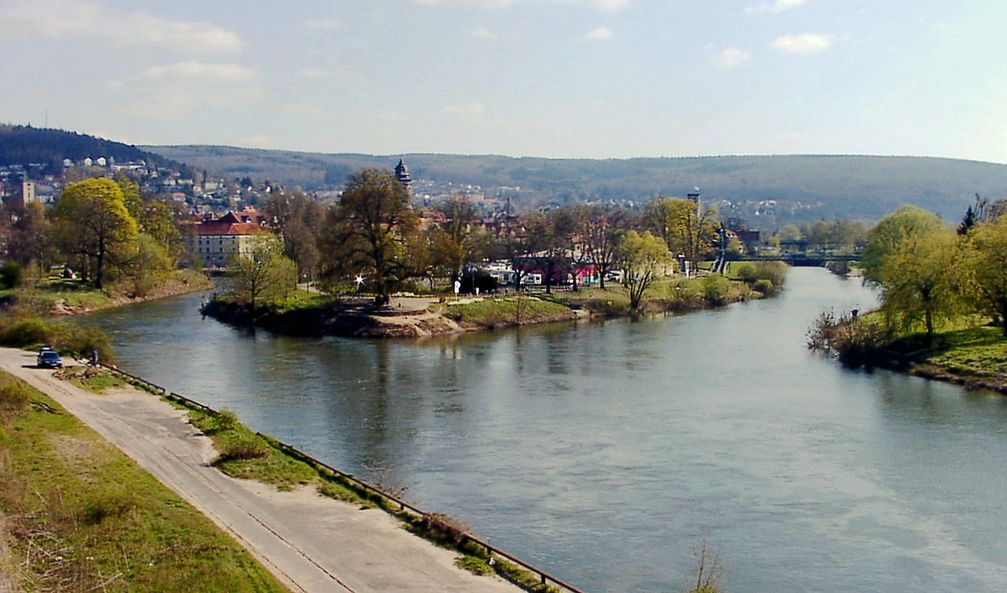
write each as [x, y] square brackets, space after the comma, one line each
[553, 78]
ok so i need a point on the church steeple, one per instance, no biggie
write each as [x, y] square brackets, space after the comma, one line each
[402, 174]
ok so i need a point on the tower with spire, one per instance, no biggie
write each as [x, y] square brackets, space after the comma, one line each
[402, 174]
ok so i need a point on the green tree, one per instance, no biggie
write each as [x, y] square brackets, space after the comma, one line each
[891, 232]
[91, 220]
[684, 226]
[988, 267]
[643, 257]
[366, 231]
[920, 281]
[263, 273]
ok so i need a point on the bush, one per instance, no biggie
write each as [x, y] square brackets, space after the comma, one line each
[716, 290]
[746, 272]
[11, 275]
[442, 528]
[64, 336]
[856, 341]
[774, 271]
[243, 445]
[764, 286]
[225, 420]
[14, 396]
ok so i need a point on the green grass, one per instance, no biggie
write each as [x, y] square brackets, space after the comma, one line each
[95, 381]
[978, 351]
[82, 516]
[505, 311]
[300, 299]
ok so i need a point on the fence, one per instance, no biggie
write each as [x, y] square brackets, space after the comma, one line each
[544, 577]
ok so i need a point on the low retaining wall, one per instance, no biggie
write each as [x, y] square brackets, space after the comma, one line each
[545, 579]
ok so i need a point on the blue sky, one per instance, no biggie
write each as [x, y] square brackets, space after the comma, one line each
[558, 78]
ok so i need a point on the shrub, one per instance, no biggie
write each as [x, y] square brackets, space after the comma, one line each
[442, 528]
[225, 420]
[476, 566]
[14, 396]
[243, 445]
[856, 341]
[11, 275]
[746, 272]
[774, 271]
[716, 290]
[765, 286]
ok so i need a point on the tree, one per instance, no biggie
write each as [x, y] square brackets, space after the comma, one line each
[92, 221]
[28, 234]
[263, 273]
[988, 267]
[366, 231]
[643, 257]
[549, 235]
[684, 226]
[920, 281]
[299, 219]
[891, 232]
[601, 228]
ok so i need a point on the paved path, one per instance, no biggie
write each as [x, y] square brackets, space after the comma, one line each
[311, 543]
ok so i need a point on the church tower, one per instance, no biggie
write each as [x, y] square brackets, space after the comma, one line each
[402, 174]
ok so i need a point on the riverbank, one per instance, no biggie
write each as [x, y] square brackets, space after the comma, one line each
[61, 297]
[414, 317]
[309, 542]
[81, 516]
[974, 357]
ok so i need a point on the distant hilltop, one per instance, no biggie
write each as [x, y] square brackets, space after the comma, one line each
[47, 148]
[777, 189]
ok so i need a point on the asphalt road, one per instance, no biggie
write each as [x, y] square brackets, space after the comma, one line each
[311, 543]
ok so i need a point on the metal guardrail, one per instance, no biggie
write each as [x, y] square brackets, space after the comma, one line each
[544, 577]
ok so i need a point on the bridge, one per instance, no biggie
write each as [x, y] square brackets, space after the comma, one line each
[797, 259]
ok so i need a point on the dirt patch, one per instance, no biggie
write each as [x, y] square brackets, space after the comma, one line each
[74, 452]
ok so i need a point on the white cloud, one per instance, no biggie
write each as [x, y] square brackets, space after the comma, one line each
[57, 19]
[482, 32]
[175, 90]
[732, 56]
[323, 24]
[776, 6]
[313, 73]
[472, 110]
[199, 71]
[803, 43]
[599, 34]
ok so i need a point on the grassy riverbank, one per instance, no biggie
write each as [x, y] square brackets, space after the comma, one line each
[965, 353]
[58, 296]
[313, 315]
[81, 516]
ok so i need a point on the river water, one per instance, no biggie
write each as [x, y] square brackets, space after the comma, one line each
[607, 452]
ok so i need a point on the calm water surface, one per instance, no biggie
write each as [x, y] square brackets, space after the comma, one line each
[607, 452]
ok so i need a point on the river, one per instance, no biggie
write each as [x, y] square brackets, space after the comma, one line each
[607, 452]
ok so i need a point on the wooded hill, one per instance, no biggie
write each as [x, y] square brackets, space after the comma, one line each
[806, 188]
[20, 145]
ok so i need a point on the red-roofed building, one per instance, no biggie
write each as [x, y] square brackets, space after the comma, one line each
[217, 240]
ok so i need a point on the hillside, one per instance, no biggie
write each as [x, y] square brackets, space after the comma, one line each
[805, 187]
[20, 145]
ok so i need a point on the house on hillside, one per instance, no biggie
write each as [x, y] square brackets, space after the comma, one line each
[217, 240]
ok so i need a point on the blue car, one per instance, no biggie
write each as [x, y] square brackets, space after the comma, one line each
[48, 359]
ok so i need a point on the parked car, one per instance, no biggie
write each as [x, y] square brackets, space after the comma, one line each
[48, 359]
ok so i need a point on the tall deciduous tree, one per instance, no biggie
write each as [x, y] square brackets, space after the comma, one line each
[644, 257]
[601, 228]
[299, 218]
[366, 231]
[92, 221]
[684, 226]
[988, 267]
[891, 232]
[263, 273]
[921, 280]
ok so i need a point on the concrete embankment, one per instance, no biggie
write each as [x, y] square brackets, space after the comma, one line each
[309, 542]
